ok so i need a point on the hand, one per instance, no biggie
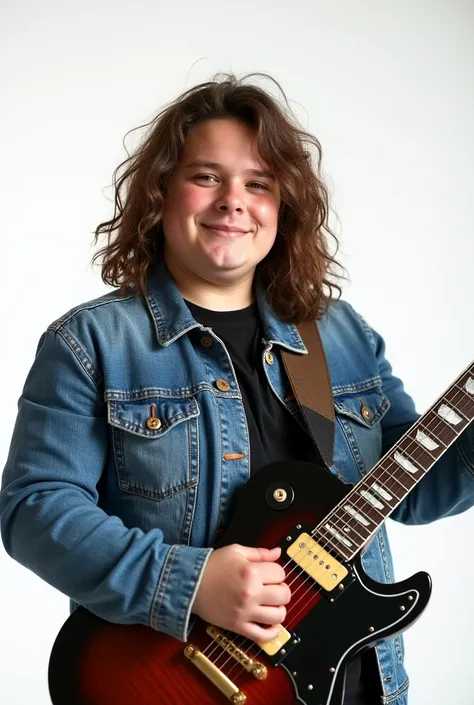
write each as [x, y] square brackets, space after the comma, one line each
[241, 589]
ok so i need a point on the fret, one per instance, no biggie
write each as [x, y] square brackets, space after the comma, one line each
[404, 456]
[357, 515]
[348, 525]
[466, 382]
[365, 510]
[427, 439]
[461, 400]
[436, 427]
[418, 454]
[362, 511]
[350, 529]
[387, 483]
[365, 506]
[361, 505]
[452, 415]
[394, 487]
[327, 540]
[394, 477]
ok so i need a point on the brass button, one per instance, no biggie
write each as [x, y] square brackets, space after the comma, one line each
[269, 358]
[153, 423]
[206, 341]
[222, 385]
[366, 413]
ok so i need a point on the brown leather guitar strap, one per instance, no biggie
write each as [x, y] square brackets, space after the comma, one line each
[311, 384]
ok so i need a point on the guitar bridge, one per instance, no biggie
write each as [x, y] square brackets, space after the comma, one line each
[257, 669]
[215, 675]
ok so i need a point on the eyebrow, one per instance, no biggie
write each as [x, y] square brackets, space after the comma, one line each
[216, 166]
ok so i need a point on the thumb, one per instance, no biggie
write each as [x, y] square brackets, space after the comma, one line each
[261, 554]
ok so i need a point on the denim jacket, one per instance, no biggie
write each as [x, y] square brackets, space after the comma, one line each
[120, 513]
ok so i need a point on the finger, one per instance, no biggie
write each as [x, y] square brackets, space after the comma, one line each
[262, 554]
[275, 595]
[258, 633]
[266, 614]
[271, 573]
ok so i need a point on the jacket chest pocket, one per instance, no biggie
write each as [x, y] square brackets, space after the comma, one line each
[155, 443]
[359, 430]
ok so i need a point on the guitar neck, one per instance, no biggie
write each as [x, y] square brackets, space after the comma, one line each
[364, 509]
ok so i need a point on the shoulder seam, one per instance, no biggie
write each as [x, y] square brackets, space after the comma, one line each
[366, 327]
[81, 356]
[59, 322]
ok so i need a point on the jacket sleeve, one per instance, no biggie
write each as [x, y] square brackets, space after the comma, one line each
[50, 519]
[448, 488]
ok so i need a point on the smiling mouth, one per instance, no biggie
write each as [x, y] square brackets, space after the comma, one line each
[225, 232]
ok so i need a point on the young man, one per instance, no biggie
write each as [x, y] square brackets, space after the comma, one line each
[147, 409]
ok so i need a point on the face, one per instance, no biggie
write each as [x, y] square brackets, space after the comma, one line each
[221, 207]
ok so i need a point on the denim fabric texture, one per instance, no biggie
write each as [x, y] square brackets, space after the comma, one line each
[120, 515]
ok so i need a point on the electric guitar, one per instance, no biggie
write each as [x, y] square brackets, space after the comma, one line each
[335, 612]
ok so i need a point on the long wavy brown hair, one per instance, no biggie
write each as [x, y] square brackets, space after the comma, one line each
[300, 274]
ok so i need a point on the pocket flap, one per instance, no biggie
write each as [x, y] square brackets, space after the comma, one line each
[367, 406]
[132, 415]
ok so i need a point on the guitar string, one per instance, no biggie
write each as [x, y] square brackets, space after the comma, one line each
[413, 442]
[307, 578]
[366, 539]
[329, 543]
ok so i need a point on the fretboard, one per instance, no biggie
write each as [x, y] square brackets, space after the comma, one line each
[357, 518]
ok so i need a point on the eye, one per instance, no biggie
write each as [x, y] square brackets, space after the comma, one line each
[205, 177]
[258, 186]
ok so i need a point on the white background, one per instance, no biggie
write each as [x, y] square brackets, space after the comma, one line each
[386, 86]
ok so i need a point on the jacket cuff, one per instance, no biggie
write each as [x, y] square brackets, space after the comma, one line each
[179, 580]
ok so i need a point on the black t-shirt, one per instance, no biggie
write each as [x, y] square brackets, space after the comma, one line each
[275, 434]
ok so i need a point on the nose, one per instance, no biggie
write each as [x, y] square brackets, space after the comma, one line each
[231, 200]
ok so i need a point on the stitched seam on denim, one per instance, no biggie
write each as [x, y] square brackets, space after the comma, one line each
[134, 488]
[136, 430]
[188, 492]
[149, 392]
[82, 357]
[221, 466]
[367, 329]
[387, 699]
[351, 442]
[159, 324]
[192, 492]
[296, 344]
[199, 569]
[383, 682]
[381, 541]
[157, 317]
[368, 424]
[58, 323]
[117, 445]
[386, 567]
[365, 385]
[161, 587]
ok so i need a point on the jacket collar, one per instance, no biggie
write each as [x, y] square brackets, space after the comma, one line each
[172, 318]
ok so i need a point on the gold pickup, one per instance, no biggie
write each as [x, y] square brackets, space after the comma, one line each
[317, 562]
[273, 647]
